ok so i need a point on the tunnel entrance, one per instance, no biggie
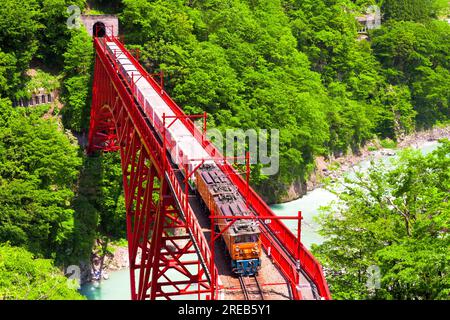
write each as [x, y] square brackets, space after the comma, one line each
[99, 29]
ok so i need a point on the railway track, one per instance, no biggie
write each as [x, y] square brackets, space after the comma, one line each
[251, 288]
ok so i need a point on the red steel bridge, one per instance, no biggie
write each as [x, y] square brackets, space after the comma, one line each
[167, 233]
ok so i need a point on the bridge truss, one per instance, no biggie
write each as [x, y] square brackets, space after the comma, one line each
[169, 253]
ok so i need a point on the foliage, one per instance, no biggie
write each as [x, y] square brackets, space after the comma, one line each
[397, 116]
[9, 75]
[18, 41]
[412, 10]
[103, 7]
[99, 204]
[31, 30]
[78, 69]
[396, 218]
[38, 167]
[111, 202]
[296, 66]
[292, 65]
[18, 36]
[44, 80]
[416, 55]
[23, 277]
[239, 62]
[388, 143]
[55, 35]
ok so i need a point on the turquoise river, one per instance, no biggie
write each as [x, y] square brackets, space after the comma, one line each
[117, 287]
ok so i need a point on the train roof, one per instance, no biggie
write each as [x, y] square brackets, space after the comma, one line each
[228, 199]
[190, 147]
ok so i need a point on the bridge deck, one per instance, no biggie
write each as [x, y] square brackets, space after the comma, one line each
[268, 275]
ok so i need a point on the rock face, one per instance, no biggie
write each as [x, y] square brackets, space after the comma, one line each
[421, 137]
[296, 190]
[85, 272]
[299, 188]
[117, 261]
[111, 262]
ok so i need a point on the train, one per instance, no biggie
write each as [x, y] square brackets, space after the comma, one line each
[222, 198]
[217, 192]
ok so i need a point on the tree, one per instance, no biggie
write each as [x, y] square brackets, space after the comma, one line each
[397, 115]
[23, 277]
[38, 167]
[9, 75]
[411, 10]
[327, 31]
[18, 43]
[210, 83]
[78, 69]
[239, 62]
[416, 55]
[395, 218]
[432, 95]
[19, 36]
[99, 205]
[55, 36]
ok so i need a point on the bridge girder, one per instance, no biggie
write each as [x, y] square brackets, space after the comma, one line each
[162, 256]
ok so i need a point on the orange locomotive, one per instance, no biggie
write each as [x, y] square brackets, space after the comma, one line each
[222, 198]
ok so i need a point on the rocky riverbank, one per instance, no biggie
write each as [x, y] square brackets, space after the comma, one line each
[115, 259]
[334, 167]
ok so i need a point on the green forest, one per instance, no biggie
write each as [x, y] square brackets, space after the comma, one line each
[396, 218]
[294, 65]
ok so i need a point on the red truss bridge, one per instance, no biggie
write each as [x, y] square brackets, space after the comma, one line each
[174, 249]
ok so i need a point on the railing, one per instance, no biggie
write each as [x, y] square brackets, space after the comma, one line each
[307, 261]
[190, 220]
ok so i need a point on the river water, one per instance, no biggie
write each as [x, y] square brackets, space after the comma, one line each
[117, 287]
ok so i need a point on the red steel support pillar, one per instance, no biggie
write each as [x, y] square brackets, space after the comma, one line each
[204, 128]
[111, 129]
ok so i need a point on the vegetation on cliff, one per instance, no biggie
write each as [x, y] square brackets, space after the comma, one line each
[387, 235]
[292, 65]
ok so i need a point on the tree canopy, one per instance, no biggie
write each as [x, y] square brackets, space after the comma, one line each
[23, 277]
[38, 168]
[78, 70]
[296, 66]
[395, 217]
[412, 10]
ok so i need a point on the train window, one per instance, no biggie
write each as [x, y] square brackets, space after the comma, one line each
[246, 238]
